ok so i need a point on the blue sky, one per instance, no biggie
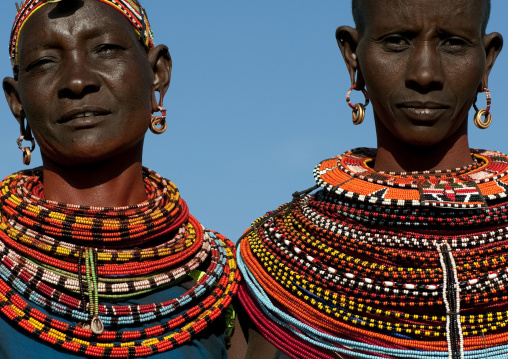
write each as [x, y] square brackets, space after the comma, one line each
[257, 99]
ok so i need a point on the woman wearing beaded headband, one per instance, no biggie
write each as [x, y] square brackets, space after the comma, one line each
[402, 251]
[99, 256]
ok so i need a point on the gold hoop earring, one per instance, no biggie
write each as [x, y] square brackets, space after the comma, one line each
[358, 109]
[482, 125]
[27, 151]
[158, 124]
[26, 134]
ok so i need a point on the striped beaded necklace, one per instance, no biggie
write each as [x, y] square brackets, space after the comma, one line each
[385, 265]
[67, 259]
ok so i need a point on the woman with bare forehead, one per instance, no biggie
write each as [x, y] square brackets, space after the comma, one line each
[401, 253]
[99, 256]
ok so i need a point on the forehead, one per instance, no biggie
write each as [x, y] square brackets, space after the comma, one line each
[446, 14]
[72, 18]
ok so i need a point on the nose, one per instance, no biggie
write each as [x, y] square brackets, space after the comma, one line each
[77, 78]
[424, 70]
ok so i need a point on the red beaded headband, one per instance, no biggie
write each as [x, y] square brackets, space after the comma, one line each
[133, 12]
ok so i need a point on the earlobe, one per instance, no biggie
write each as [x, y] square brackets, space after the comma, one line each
[492, 43]
[161, 64]
[10, 86]
[348, 39]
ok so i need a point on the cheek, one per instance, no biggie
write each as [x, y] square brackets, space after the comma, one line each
[37, 109]
[379, 82]
[464, 76]
[132, 87]
[136, 112]
[382, 74]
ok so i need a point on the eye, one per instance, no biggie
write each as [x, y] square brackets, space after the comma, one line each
[109, 50]
[40, 64]
[454, 44]
[395, 43]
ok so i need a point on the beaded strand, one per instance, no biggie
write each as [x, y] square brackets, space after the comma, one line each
[355, 270]
[68, 259]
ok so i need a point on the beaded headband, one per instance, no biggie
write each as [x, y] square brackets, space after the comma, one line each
[133, 12]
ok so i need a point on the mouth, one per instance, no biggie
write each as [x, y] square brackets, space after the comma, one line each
[422, 112]
[88, 113]
[422, 105]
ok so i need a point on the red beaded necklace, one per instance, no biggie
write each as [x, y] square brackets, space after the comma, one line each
[377, 262]
[67, 258]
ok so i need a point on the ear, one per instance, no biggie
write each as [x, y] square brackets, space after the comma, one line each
[160, 62]
[348, 39]
[10, 86]
[492, 43]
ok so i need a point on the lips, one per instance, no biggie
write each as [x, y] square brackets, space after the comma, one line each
[83, 112]
[420, 112]
[422, 105]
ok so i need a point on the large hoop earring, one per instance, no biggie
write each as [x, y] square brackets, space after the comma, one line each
[158, 124]
[26, 134]
[358, 109]
[482, 125]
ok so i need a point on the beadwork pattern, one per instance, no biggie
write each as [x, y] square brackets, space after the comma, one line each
[135, 14]
[67, 259]
[391, 265]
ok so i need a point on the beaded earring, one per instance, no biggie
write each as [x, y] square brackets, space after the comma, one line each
[158, 124]
[483, 112]
[26, 134]
[358, 109]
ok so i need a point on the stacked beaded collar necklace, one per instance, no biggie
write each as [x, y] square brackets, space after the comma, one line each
[67, 259]
[384, 265]
[134, 13]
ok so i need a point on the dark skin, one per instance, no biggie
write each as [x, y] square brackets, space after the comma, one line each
[422, 63]
[79, 58]
[87, 87]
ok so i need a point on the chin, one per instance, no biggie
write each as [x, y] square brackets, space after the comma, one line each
[420, 141]
[77, 160]
[424, 137]
[423, 142]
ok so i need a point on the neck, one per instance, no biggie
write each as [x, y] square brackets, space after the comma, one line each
[105, 184]
[397, 156]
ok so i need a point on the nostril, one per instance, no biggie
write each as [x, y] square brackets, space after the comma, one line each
[424, 69]
[77, 77]
[424, 85]
[425, 78]
[78, 87]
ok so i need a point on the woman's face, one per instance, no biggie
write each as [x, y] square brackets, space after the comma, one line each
[422, 62]
[85, 83]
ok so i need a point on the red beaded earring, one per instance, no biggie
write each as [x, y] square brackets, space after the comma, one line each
[358, 109]
[483, 112]
[158, 124]
[26, 134]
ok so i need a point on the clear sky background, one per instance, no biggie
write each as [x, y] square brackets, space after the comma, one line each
[257, 99]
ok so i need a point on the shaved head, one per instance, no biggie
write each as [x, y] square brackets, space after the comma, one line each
[358, 7]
